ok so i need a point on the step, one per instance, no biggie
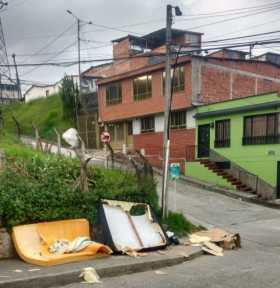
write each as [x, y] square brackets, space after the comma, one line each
[236, 183]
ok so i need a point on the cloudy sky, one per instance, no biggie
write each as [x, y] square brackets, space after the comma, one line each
[41, 30]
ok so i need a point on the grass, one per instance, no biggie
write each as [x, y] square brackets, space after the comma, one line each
[177, 223]
[46, 113]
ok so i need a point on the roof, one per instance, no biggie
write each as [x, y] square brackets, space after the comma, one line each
[129, 36]
[247, 108]
[267, 53]
[181, 60]
[230, 50]
[155, 38]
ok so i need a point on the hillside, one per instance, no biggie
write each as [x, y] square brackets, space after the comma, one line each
[45, 113]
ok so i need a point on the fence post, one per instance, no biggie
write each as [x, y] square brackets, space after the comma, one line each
[58, 141]
[2, 159]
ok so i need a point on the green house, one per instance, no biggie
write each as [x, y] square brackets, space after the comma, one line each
[238, 145]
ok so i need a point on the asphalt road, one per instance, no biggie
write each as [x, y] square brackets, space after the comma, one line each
[256, 265]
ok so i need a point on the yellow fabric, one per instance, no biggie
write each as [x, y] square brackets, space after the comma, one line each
[32, 242]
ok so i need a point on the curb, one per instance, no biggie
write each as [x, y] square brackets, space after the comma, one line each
[249, 199]
[232, 194]
[72, 276]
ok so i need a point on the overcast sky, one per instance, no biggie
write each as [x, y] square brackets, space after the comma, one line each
[29, 25]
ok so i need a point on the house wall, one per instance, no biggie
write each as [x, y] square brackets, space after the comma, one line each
[130, 108]
[37, 92]
[260, 160]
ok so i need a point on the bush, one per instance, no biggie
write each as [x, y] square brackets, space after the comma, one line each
[44, 188]
[177, 223]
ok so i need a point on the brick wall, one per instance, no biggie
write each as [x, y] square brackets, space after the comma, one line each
[221, 80]
[153, 143]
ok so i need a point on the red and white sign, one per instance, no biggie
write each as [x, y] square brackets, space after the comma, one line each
[105, 137]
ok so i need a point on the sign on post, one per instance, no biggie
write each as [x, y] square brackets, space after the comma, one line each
[174, 171]
[105, 137]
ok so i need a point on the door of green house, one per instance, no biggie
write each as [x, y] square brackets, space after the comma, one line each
[278, 179]
[203, 141]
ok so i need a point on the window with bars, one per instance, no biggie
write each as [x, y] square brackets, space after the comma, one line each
[178, 120]
[142, 87]
[222, 133]
[178, 80]
[262, 129]
[113, 93]
[147, 124]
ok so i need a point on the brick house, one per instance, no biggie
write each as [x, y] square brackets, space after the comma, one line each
[131, 95]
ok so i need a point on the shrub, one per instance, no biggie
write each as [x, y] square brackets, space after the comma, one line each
[44, 188]
[177, 223]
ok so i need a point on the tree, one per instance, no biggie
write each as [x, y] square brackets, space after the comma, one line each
[68, 93]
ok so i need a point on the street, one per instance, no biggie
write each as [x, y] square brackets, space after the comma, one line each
[255, 265]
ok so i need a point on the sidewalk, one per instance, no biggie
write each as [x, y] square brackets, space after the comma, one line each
[17, 274]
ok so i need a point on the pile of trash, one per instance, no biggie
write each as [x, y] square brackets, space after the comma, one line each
[214, 241]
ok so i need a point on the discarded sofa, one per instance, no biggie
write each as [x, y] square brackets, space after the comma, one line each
[127, 226]
[33, 242]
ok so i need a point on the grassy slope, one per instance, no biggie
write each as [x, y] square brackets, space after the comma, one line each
[45, 113]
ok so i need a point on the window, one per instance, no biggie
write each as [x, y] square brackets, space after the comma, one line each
[147, 124]
[142, 87]
[222, 133]
[178, 119]
[114, 93]
[178, 80]
[262, 129]
[47, 93]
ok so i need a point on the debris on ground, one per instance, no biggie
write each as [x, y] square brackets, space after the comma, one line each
[159, 272]
[130, 226]
[90, 275]
[214, 241]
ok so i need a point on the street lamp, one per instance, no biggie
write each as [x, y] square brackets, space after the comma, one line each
[168, 88]
[79, 21]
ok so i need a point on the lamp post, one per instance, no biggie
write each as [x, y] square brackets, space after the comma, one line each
[166, 136]
[79, 22]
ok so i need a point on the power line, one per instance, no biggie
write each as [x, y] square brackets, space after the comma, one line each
[235, 18]
[234, 10]
[248, 28]
[47, 61]
[53, 40]
[70, 63]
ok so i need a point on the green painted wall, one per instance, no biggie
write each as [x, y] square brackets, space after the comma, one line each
[199, 171]
[256, 159]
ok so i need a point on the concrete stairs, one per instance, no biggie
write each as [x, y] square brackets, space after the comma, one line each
[221, 172]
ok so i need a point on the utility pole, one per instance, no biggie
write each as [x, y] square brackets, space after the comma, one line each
[79, 51]
[17, 79]
[166, 135]
[79, 22]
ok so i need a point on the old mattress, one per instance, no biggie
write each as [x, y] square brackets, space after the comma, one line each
[32, 242]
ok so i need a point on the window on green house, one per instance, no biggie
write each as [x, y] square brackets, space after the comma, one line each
[178, 119]
[142, 87]
[178, 80]
[113, 93]
[222, 133]
[147, 124]
[262, 129]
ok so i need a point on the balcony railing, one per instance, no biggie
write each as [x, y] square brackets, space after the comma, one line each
[256, 140]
